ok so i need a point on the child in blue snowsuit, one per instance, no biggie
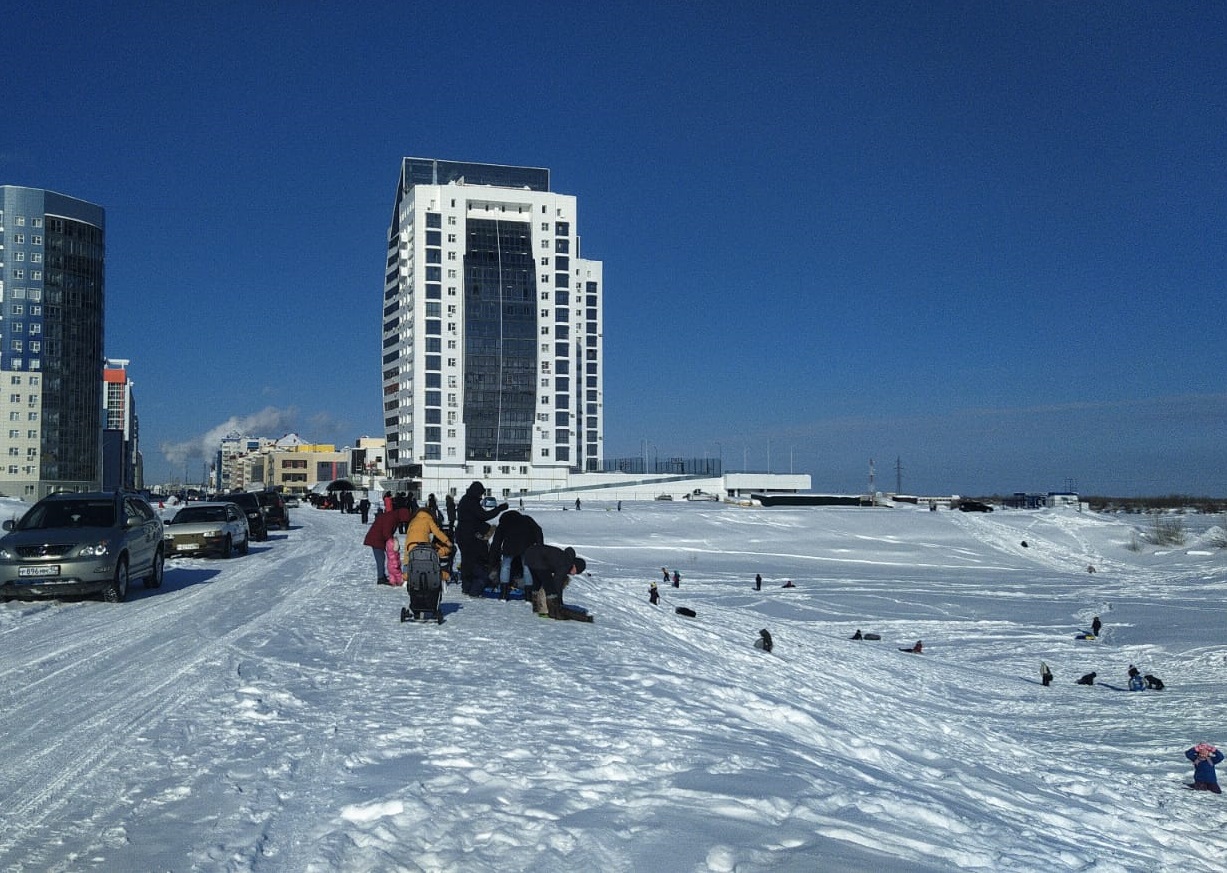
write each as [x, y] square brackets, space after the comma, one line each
[1204, 756]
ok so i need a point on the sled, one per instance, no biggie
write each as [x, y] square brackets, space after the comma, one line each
[685, 610]
[1090, 637]
[424, 584]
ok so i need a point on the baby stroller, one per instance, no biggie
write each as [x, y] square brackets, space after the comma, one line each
[424, 582]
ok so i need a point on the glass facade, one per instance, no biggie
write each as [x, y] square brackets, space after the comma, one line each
[427, 171]
[52, 300]
[500, 333]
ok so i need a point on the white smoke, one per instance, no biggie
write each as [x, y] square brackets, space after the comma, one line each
[269, 420]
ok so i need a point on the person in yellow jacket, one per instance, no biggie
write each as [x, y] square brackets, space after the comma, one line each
[424, 530]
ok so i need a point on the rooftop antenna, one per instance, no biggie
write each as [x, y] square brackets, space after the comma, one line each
[898, 475]
[871, 476]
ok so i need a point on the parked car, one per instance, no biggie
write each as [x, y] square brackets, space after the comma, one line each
[250, 504]
[974, 506]
[291, 501]
[664, 496]
[86, 543]
[274, 506]
[699, 494]
[212, 528]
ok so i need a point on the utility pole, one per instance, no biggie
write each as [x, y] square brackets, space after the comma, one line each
[898, 475]
[871, 477]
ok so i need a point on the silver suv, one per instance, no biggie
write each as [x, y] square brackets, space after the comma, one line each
[90, 543]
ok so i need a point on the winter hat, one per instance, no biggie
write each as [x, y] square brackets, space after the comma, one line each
[1204, 750]
[580, 564]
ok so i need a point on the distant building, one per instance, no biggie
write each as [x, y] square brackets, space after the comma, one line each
[369, 457]
[52, 296]
[121, 456]
[492, 331]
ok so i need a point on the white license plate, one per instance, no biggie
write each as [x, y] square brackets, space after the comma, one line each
[186, 547]
[43, 570]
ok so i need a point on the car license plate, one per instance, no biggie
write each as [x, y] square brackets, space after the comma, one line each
[43, 570]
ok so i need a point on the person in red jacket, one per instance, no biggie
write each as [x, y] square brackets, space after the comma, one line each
[381, 530]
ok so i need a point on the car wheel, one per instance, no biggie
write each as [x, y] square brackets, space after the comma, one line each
[117, 590]
[158, 572]
[246, 547]
[228, 548]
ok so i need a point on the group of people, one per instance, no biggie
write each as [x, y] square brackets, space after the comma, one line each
[509, 553]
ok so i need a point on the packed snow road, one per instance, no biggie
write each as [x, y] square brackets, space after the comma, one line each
[271, 712]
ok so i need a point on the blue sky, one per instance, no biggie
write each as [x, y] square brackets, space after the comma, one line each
[986, 239]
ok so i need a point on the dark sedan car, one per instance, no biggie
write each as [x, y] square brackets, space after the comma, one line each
[250, 504]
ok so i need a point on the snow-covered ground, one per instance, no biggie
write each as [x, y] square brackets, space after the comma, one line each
[271, 712]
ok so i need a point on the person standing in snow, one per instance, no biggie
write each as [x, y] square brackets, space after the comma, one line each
[653, 594]
[758, 581]
[1045, 674]
[1096, 624]
[364, 507]
[677, 579]
[377, 537]
[424, 530]
[1204, 756]
[471, 531]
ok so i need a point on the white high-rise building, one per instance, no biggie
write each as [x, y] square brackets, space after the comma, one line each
[492, 334]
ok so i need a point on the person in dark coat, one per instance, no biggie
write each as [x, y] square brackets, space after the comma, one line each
[1045, 674]
[364, 507]
[764, 641]
[433, 506]
[653, 594]
[472, 526]
[377, 538]
[1088, 679]
[1096, 624]
[515, 533]
[449, 503]
[677, 579]
[758, 581]
[552, 568]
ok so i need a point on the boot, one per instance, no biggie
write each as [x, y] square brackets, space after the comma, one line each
[539, 603]
[554, 608]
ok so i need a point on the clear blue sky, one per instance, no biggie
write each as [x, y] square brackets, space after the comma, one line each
[985, 238]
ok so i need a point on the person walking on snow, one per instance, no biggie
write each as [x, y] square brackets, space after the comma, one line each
[1204, 756]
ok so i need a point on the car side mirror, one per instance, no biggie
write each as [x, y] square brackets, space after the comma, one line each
[9, 524]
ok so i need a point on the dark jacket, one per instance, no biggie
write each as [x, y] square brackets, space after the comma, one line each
[383, 527]
[550, 565]
[472, 518]
[1203, 768]
[515, 533]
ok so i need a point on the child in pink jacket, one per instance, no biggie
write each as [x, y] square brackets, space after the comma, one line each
[392, 549]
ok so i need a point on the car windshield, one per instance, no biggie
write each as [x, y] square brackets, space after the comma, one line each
[195, 514]
[69, 513]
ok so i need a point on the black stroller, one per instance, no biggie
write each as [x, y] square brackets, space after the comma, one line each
[424, 582]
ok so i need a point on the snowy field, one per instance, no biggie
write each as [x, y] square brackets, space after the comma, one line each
[272, 713]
